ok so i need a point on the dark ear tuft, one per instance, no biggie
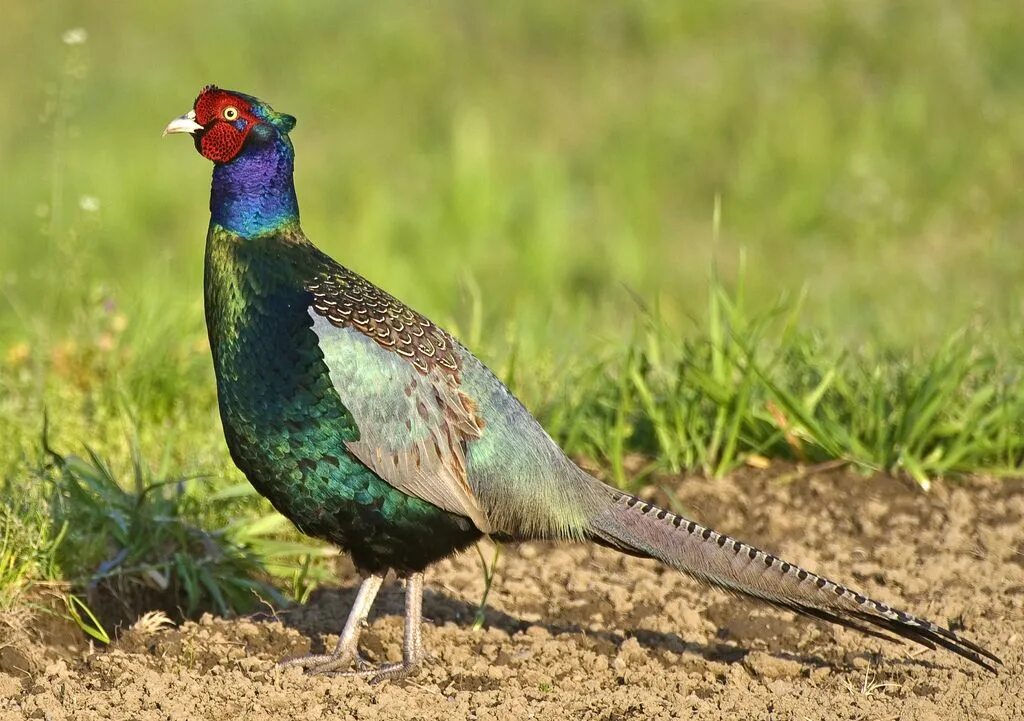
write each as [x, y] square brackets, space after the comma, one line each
[262, 133]
[206, 89]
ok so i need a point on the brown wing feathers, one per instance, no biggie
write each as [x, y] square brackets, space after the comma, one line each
[348, 300]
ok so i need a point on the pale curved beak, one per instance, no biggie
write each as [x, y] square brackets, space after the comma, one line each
[185, 124]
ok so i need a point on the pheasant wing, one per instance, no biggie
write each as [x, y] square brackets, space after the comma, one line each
[398, 375]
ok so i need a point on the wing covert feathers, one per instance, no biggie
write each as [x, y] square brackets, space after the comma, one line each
[348, 300]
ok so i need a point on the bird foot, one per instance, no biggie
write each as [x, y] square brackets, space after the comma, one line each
[316, 664]
[385, 672]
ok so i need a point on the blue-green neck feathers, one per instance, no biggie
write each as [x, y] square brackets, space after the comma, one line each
[255, 192]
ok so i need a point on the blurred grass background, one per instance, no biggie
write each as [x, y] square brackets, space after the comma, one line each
[871, 151]
[541, 178]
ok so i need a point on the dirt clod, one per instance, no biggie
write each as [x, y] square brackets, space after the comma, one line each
[769, 667]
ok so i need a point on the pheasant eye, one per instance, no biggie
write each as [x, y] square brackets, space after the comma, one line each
[230, 113]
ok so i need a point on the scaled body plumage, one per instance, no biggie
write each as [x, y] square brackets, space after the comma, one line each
[368, 426]
[283, 419]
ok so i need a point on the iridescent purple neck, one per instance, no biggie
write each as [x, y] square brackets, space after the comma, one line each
[254, 193]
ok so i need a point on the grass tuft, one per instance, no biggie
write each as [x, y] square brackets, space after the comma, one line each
[751, 385]
[141, 543]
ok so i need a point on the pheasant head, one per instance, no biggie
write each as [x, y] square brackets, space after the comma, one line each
[253, 160]
[224, 122]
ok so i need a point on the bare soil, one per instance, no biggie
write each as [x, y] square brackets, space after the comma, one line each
[584, 633]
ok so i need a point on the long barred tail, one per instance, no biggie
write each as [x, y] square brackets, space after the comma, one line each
[639, 528]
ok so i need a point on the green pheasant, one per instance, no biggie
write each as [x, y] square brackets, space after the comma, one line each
[370, 427]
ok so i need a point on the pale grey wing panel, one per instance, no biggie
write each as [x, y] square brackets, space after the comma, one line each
[525, 484]
[413, 427]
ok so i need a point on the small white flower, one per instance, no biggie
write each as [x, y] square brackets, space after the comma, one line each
[74, 36]
[89, 203]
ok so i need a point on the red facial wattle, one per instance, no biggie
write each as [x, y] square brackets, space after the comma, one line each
[227, 121]
[221, 142]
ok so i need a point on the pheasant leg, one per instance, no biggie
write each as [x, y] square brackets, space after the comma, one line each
[346, 653]
[412, 650]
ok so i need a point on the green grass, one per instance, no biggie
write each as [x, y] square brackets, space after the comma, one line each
[140, 539]
[689, 235]
[756, 385]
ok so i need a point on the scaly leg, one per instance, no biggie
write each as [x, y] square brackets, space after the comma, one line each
[346, 653]
[412, 651]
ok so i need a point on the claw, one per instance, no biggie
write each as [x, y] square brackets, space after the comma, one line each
[393, 672]
[331, 665]
[326, 664]
[379, 674]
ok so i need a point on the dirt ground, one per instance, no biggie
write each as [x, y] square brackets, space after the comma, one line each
[584, 633]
